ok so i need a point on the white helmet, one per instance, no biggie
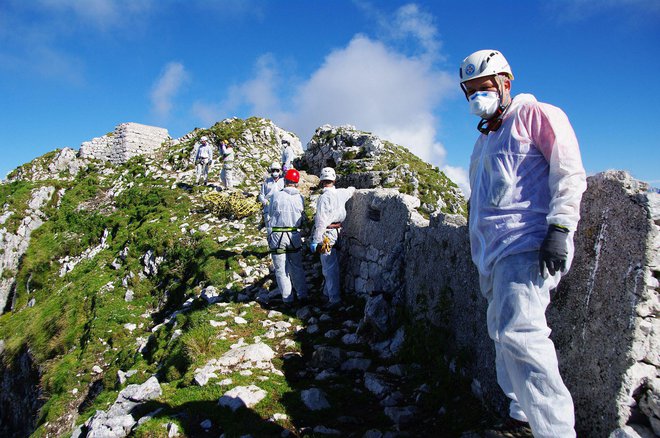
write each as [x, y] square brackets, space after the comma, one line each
[328, 174]
[484, 63]
[275, 166]
[204, 138]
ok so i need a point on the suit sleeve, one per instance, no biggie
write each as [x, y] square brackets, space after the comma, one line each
[553, 135]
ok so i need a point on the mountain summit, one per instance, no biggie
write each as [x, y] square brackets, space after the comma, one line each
[134, 303]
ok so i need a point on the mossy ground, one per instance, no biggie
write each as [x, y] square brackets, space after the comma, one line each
[79, 320]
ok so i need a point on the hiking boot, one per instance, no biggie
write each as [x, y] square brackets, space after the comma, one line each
[510, 428]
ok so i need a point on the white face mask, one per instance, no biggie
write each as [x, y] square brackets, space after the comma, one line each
[484, 103]
[275, 173]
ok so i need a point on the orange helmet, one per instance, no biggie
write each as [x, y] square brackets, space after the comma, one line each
[292, 175]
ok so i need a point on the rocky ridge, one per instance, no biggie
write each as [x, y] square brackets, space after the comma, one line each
[365, 161]
[130, 280]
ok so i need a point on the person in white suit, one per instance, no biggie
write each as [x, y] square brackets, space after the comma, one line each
[526, 180]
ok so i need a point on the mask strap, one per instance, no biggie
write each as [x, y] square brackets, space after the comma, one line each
[493, 124]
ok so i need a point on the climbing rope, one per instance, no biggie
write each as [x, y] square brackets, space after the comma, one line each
[231, 205]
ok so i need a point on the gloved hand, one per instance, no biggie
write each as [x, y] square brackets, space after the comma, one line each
[313, 246]
[554, 251]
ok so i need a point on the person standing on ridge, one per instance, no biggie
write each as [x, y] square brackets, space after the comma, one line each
[227, 153]
[330, 213]
[288, 155]
[203, 160]
[526, 180]
[272, 183]
[285, 215]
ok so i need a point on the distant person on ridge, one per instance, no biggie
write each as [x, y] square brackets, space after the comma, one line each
[526, 180]
[272, 183]
[330, 213]
[285, 215]
[288, 155]
[227, 154]
[203, 160]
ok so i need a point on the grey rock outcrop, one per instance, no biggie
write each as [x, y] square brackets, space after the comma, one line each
[603, 315]
[66, 160]
[21, 395]
[605, 312]
[128, 140]
[251, 356]
[14, 244]
[365, 161]
[118, 421]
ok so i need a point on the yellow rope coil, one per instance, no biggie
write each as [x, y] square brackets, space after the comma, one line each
[326, 247]
[232, 205]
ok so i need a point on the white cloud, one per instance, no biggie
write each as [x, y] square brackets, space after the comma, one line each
[410, 21]
[370, 84]
[460, 177]
[376, 89]
[259, 94]
[163, 92]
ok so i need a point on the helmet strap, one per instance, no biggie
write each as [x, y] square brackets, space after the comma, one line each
[493, 124]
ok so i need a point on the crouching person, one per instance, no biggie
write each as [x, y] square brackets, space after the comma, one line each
[330, 213]
[285, 213]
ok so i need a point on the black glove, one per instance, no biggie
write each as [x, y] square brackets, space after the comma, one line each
[554, 250]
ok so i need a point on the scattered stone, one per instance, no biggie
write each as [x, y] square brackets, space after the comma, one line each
[401, 416]
[356, 364]
[123, 376]
[117, 421]
[326, 357]
[241, 358]
[376, 385]
[210, 294]
[172, 430]
[242, 396]
[314, 399]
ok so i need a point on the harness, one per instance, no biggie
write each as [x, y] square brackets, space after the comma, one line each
[283, 230]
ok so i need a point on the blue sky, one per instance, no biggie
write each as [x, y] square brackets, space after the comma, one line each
[71, 70]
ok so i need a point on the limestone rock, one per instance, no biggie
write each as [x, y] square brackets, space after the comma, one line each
[257, 355]
[242, 396]
[314, 399]
[117, 421]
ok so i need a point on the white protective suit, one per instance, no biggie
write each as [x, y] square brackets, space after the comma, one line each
[330, 209]
[226, 175]
[523, 177]
[285, 210]
[288, 155]
[268, 187]
[203, 160]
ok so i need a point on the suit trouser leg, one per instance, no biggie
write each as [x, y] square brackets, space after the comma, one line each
[526, 359]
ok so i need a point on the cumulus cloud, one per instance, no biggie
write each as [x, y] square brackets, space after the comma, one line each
[166, 87]
[258, 95]
[376, 89]
[460, 177]
[377, 85]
